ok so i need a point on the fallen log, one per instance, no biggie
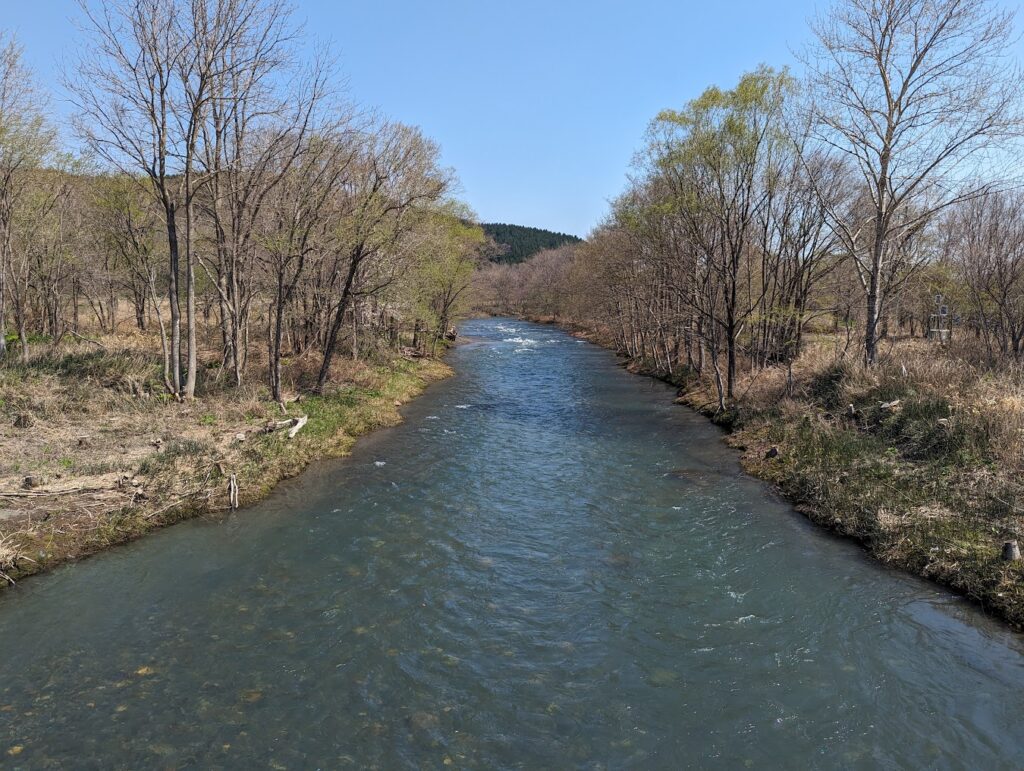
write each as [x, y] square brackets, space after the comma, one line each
[49, 493]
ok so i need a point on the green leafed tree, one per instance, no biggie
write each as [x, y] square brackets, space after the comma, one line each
[449, 249]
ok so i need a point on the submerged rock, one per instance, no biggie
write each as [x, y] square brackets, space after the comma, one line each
[423, 721]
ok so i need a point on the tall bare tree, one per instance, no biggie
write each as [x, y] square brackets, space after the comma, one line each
[259, 120]
[145, 88]
[298, 223]
[919, 97]
[128, 95]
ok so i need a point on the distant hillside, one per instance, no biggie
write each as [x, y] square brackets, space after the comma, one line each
[523, 242]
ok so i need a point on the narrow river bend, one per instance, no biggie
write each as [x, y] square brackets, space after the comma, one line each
[548, 565]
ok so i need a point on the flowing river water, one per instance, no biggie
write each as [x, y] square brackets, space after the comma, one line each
[548, 565]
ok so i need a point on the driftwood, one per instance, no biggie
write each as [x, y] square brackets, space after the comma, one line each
[233, 492]
[179, 501]
[293, 424]
[48, 493]
[298, 426]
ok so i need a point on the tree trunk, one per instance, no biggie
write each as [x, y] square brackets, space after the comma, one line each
[23, 338]
[5, 249]
[275, 344]
[165, 350]
[190, 304]
[172, 296]
[871, 325]
[339, 316]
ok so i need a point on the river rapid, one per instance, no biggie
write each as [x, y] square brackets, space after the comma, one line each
[548, 565]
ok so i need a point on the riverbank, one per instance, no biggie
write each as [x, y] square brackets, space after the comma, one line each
[919, 459]
[94, 455]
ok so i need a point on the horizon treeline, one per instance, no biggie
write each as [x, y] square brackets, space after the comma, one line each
[878, 193]
[227, 192]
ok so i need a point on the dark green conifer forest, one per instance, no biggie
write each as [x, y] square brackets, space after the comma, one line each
[519, 242]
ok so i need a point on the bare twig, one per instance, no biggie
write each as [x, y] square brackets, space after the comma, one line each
[85, 339]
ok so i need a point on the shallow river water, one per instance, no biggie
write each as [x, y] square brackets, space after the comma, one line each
[548, 565]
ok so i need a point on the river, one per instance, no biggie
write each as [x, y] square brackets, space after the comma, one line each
[548, 565]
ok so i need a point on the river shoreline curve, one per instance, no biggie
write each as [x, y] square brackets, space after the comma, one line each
[185, 479]
[765, 439]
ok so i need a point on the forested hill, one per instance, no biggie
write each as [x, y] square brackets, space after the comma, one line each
[523, 242]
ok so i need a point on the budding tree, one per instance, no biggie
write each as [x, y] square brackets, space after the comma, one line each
[25, 143]
[393, 178]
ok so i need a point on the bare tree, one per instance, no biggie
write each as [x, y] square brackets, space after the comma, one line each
[41, 238]
[298, 223]
[917, 96]
[987, 246]
[255, 129]
[144, 89]
[127, 94]
[797, 248]
[125, 226]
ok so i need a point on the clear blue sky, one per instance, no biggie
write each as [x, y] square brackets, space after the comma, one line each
[538, 105]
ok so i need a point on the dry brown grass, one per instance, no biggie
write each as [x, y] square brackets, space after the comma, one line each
[990, 401]
[10, 556]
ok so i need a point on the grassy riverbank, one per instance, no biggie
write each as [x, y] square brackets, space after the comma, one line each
[919, 459]
[95, 455]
